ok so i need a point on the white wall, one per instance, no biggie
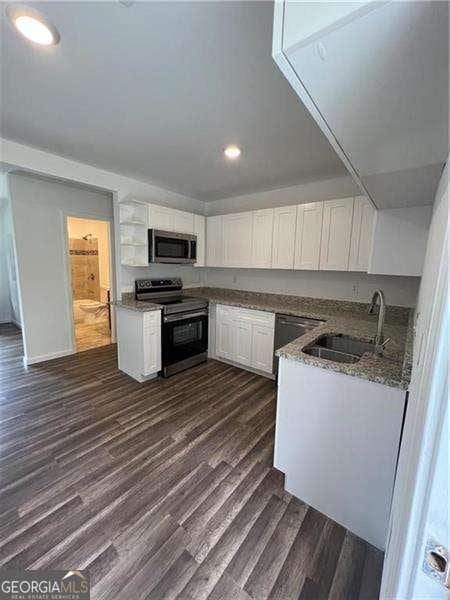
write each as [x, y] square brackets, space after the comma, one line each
[38, 211]
[40, 162]
[5, 301]
[327, 189]
[356, 287]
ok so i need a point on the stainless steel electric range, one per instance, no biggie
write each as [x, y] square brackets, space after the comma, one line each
[184, 334]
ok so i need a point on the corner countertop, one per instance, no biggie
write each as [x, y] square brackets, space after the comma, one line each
[130, 303]
[349, 318]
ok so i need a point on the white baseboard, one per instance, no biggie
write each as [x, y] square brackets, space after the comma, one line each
[31, 360]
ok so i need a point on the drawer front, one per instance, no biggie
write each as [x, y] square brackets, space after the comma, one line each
[260, 317]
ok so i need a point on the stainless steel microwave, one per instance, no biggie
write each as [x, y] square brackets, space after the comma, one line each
[171, 247]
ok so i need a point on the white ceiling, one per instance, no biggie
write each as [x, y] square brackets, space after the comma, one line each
[154, 91]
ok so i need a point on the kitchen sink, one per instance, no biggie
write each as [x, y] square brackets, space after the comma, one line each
[339, 348]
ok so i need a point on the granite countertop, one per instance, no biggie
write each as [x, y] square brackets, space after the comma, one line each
[129, 302]
[349, 318]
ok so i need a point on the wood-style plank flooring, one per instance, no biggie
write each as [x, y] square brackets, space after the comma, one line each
[161, 490]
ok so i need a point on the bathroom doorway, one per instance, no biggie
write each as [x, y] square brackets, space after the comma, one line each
[90, 274]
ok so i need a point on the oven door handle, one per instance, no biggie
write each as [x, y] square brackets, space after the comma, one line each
[184, 316]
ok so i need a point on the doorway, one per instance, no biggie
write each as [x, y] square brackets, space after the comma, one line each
[90, 274]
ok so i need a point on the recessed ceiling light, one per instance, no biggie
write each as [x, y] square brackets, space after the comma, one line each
[232, 152]
[33, 25]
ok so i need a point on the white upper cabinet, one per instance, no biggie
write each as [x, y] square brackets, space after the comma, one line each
[214, 242]
[284, 223]
[362, 234]
[160, 217]
[183, 222]
[237, 240]
[336, 233]
[169, 219]
[308, 235]
[262, 238]
[200, 232]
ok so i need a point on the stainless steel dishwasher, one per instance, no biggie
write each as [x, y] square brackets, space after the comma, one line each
[287, 329]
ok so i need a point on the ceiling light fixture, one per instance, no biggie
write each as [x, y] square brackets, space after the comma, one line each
[33, 25]
[232, 152]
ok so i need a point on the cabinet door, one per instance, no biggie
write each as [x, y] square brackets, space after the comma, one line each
[214, 238]
[242, 342]
[237, 240]
[160, 217]
[336, 233]
[262, 238]
[284, 222]
[308, 235]
[183, 222]
[262, 348]
[362, 234]
[152, 350]
[199, 231]
[224, 334]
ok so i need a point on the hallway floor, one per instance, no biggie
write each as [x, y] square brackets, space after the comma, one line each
[92, 335]
[161, 490]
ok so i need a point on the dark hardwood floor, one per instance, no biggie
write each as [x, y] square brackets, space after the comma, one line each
[161, 490]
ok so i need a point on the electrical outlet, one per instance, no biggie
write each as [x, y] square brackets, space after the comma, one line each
[355, 290]
[234, 278]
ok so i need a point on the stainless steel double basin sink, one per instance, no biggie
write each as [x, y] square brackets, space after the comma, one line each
[339, 348]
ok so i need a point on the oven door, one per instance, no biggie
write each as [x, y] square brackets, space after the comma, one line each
[184, 340]
[171, 247]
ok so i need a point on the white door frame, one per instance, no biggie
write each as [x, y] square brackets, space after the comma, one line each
[80, 214]
[419, 451]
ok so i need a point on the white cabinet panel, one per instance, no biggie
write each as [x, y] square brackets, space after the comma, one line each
[336, 233]
[262, 238]
[152, 350]
[262, 348]
[308, 235]
[160, 217]
[362, 234]
[237, 239]
[224, 333]
[284, 223]
[139, 342]
[243, 342]
[183, 222]
[214, 242]
[200, 232]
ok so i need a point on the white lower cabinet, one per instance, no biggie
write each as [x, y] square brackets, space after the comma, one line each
[245, 337]
[139, 342]
[262, 348]
[224, 333]
[243, 342]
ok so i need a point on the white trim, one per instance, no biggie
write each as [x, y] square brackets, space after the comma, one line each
[416, 462]
[44, 357]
